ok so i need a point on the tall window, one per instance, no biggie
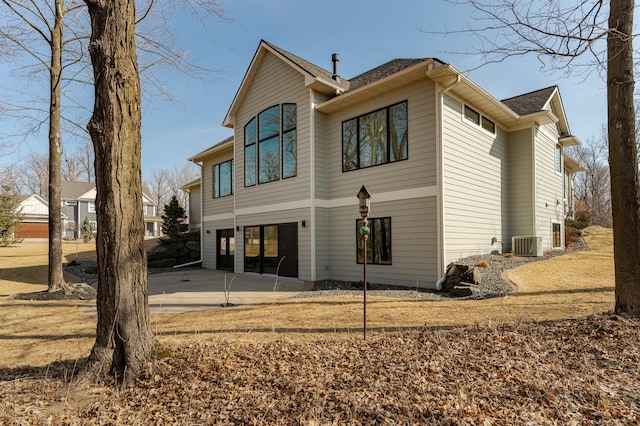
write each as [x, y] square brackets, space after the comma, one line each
[91, 207]
[558, 159]
[556, 234]
[223, 179]
[378, 243]
[375, 138]
[271, 145]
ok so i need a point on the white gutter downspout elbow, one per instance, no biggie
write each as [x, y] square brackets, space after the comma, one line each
[452, 85]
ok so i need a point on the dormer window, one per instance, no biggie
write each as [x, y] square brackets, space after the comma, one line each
[271, 145]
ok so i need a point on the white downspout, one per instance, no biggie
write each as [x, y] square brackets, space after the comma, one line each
[440, 172]
[312, 180]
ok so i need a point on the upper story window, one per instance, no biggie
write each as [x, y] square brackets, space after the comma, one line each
[475, 117]
[378, 137]
[271, 145]
[223, 179]
[91, 207]
[558, 161]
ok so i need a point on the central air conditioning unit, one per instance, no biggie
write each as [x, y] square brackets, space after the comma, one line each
[527, 245]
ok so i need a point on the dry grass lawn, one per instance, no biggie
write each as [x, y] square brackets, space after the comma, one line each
[36, 333]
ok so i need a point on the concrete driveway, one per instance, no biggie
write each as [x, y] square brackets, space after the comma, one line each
[186, 290]
[200, 289]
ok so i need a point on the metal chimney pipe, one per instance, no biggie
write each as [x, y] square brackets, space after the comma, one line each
[335, 58]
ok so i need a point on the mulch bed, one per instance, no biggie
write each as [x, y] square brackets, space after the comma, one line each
[583, 371]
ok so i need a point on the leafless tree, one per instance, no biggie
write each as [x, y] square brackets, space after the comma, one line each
[592, 186]
[38, 31]
[85, 155]
[32, 175]
[177, 178]
[124, 340]
[157, 188]
[579, 37]
[52, 37]
[71, 167]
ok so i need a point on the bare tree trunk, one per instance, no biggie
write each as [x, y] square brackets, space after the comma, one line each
[623, 157]
[124, 341]
[55, 276]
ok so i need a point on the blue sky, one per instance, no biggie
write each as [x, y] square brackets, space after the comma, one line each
[366, 33]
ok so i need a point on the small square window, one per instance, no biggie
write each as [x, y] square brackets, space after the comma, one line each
[488, 125]
[471, 115]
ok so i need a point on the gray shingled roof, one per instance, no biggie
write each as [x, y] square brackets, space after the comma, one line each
[382, 71]
[364, 79]
[222, 142]
[531, 102]
[73, 190]
[312, 69]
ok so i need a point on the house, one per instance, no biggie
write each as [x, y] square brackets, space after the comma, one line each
[452, 171]
[78, 203]
[35, 222]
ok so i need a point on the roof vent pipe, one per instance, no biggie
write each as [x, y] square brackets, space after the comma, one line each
[335, 58]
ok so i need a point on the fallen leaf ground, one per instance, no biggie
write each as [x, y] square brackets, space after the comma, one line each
[567, 372]
[549, 354]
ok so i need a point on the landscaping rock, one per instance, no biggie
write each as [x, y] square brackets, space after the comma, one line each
[461, 291]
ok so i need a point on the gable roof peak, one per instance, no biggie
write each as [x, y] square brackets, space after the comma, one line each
[531, 102]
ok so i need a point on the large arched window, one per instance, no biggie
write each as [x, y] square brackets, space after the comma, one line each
[271, 145]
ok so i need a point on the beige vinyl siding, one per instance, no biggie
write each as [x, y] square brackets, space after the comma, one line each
[275, 83]
[220, 205]
[323, 242]
[195, 216]
[419, 170]
[475, 184]
[322, 142]
[413, 243]
[549, 196]
[521, 180]
[209, 240]
[274, 218]
[217, 212]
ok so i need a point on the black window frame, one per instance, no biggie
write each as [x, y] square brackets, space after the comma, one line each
[374, 258]
[216, 169]
[481, 121]
[556, 235]
[287, 137]
[390, 157]
[557, 158]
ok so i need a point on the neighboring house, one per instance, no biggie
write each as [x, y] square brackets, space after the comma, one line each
[78, 203]
[452, 171]
[35, 223]
[194, 207]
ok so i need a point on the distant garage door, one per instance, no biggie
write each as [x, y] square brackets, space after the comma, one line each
[33, 230]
